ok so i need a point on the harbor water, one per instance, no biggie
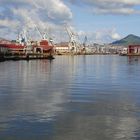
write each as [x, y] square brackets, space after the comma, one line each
[95, 97]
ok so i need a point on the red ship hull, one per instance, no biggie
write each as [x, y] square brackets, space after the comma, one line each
[7, 46]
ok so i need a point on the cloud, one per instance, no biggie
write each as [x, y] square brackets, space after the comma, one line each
[100, 36]
[114, 35]
[19, 14]
[7, 22]
[124, 7]
[53, 9]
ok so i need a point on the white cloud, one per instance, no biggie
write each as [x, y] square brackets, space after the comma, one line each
[100, 36]
[9, 23]
[26, 13]
[114, 35]
[124, 7]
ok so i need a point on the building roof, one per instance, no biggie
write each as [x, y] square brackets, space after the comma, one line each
[62, 44]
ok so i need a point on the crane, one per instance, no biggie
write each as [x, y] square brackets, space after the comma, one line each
[38, 31]
[72, 41]
[84, 44]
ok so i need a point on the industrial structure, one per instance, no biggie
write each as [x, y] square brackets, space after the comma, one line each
[23, 47]
[134, 50]
[73, 41]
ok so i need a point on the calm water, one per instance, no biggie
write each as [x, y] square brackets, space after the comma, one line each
[70, 98]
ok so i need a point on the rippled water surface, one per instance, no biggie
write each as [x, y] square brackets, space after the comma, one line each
[70, 98]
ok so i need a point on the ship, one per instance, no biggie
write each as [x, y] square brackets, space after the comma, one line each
[23, 48]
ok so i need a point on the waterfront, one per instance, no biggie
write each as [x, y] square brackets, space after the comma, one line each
[70, 98]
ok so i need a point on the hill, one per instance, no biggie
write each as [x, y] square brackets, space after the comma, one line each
[128, 40]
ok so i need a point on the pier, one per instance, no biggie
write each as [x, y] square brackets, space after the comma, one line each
[30, 56]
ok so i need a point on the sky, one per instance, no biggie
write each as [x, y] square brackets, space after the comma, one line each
[102, 21]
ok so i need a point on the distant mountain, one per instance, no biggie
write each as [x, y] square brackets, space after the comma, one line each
[128, 40]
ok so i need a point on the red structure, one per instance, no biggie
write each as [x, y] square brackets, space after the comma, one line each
[8, 46]
[43, 47]
[46, 46]
[134, 49]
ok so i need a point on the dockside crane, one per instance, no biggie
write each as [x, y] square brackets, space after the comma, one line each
[39, 32]
[45, 36]
[84, 45]
[72, 40]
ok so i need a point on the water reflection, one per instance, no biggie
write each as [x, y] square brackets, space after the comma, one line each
[133, 59]
[107, 118]
[72, 97]
[30, 92]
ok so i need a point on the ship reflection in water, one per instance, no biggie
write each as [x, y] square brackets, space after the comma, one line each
[70, 98]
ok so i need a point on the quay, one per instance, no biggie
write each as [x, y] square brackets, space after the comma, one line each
[31, 56]
[131, 50]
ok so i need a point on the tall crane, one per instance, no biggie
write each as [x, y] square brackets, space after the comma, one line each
[84, 44]
[72, 42]
[85, 41]
[39, 31]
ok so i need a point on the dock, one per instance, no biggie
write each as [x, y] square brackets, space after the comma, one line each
[31, 56]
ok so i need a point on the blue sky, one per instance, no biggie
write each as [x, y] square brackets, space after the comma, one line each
[100, 20]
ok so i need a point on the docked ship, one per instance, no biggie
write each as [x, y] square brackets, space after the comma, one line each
[23, 48]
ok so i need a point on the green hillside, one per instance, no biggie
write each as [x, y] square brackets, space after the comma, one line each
[128, 40]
